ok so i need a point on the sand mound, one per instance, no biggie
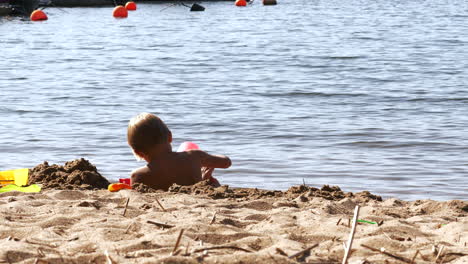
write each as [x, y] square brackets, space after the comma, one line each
[302, 192]
[79, 174]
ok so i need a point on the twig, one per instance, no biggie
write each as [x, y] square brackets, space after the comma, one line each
[160, 224]
[126, 205]
[351, 235]
[187, 249]
[177, 242]
[109, 260]
[349, 222]
[388, 254]
[303, 251]
[128, 228]
[414, 257]
[339, 221]
[387, 235]
[281, 252]
[443, 259]
[440, 252]
[213, 219]
[222, 247]
[160, 205]
[52, 245]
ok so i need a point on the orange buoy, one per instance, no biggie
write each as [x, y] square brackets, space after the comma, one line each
[38, 15]
[241, 3]
[131, 6]
[120, 12]
[269, 2]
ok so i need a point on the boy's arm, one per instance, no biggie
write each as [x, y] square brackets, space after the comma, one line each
[212, 161]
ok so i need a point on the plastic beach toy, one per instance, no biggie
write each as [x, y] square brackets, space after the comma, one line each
[18, 177]
[125, 180]
[368, 222]
[115, 187]
[187, 146]
[28, 189]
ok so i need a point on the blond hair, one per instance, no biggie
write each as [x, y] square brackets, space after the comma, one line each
[144, 131]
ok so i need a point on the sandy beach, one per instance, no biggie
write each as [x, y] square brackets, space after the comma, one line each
[202, 224]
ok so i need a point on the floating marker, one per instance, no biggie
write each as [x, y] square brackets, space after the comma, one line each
[38, 15]
[241, 3]
[269, 2]
[120, 12]
[197, 7]
[131, 6]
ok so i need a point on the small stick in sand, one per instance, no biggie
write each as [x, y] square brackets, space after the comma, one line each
[438, 254]
[339, 221]
[388, 254]
[160, 224]
[281, 252]
[349, 222]
[414, 257]
[303, 251]
[214, 218]
[443, 259]
[109, 260]
[221, 247]
[177, 242]
[126, 205]
[160, 205]
[187, 249]
[351, 235]
[387, 235]
[128, 228]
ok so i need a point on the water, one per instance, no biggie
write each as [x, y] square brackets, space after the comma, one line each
[367, 95]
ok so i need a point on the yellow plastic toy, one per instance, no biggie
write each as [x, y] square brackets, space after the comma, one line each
[18, 177]
[115, 187]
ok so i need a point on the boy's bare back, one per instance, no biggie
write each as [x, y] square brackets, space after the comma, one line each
[183, 168]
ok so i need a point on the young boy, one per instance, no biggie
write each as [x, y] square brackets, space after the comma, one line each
[150, 140]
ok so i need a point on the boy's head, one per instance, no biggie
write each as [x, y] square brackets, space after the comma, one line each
[145, 131]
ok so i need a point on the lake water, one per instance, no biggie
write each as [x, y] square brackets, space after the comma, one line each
[367, 95]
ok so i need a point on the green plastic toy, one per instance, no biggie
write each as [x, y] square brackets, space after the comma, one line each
[365, 221]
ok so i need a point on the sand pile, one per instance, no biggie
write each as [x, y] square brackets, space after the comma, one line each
[79, 174]
[301, 192]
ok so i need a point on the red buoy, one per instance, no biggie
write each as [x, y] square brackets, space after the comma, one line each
[241, 3]
[38, 15]
[120, 12]
[131, 6]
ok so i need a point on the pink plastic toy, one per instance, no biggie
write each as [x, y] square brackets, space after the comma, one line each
[125, 180]
[187, 146]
